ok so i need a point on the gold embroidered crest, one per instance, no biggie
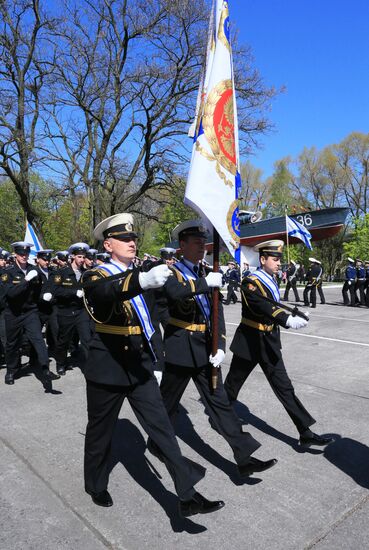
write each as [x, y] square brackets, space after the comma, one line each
[57, 279]
[4, 277]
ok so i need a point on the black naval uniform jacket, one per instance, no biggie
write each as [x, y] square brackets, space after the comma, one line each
[21, 296]
[45, 308]
[114, 358]
[183, 346]
[63, 285]
[292, 274]
[257, 336]
[3, 279]
[314, 275]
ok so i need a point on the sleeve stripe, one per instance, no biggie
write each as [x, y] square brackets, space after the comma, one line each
[277, 312]
[126, 282]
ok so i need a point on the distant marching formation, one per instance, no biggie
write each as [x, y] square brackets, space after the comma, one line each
[47, 296]
[355, 290]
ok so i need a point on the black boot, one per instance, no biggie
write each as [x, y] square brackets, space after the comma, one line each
[309, 438]
[60, 369]
[9, 378]
[255, 465]
[50, 375]
[101, 499]
[199, 505]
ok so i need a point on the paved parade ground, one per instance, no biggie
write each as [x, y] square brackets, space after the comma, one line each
[314, 499]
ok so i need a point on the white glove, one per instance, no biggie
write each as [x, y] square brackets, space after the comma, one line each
[47, 296]
[158, 375]
[218, 358]
[155, 278]
[214, 279]
[79, 293]
[296, 322]
[31, 275]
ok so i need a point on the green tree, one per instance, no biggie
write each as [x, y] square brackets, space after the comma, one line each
[158, 234]
[280, 185]
[358, 243]
[254, 190]
[61, 229]
[12, 219]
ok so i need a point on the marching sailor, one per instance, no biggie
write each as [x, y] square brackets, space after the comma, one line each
[187, 343]
[349, 284]
[257, 340]
[360, 282]
[314, 282]
[23, 286]
[291, 281]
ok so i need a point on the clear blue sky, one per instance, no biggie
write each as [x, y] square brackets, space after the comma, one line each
[320, 51]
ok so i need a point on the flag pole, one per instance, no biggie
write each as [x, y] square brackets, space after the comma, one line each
[288, 244]
[215, 311]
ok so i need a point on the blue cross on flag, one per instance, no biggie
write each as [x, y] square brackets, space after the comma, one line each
[31, 237]
[296, 229]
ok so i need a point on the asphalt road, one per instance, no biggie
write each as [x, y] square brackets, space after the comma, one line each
[308, 500]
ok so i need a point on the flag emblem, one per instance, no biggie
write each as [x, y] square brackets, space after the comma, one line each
[214, 179]
[224, 30]
[233, 224]
[218, 124]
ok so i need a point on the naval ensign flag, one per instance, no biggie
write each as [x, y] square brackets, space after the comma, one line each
[31, 237]
[214, 178]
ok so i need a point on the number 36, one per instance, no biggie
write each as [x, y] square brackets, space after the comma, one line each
[305, 219]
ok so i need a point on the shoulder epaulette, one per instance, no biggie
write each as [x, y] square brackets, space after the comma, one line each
[177, 273]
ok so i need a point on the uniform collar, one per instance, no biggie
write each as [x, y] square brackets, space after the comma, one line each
[123, 266]
[189, 264]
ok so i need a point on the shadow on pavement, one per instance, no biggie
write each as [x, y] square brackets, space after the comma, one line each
[186, 431]
[244, 414]
[128, 448]
[29, 369]
[350, 456]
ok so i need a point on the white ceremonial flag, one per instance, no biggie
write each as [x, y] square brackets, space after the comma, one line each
[31, 237]
[214, 179]
[296, 229]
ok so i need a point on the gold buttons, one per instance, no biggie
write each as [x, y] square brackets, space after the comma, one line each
[125, 348]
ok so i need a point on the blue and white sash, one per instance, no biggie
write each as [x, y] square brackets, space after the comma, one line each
[201, 299]
[269, 282]
[138, 302]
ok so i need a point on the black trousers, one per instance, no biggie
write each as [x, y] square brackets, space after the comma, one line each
[319, 287]
[359, 287]
[280, 383]
[103, 405]
[291, 284]
[27, 325]
[348, 287]
[2, 333]
[312, 289]
[367, 293]
[223, 418]
[68, 324]
[231, 294]
[50, 320]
